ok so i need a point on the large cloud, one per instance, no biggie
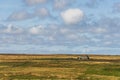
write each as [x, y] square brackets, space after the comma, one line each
[72, 16]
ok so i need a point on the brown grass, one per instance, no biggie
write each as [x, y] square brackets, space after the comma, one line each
[59, 67]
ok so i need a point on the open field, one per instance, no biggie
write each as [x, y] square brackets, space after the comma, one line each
[59, 67]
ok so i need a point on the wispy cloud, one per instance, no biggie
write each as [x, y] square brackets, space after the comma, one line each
[42, 12]
[116, 7]
[20, 15]
[34, 2]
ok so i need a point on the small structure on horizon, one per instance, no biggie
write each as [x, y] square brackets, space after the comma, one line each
[83, 57]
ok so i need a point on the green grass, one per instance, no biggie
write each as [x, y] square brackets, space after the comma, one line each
[84, 77]
[104, 69]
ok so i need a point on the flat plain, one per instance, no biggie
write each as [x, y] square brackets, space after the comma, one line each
[59, 67]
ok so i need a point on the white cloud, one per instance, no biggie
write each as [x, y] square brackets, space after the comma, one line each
[60, 3]
[72, 36]
[34, 2]
[95, 39]
[51, 38]
[99, 30]
[72, 16]
[36, 30]
[116, 7]
[42, 12]
[116, 35]
[64, 30]
[20, 15]
[107, 42]
[11, 29]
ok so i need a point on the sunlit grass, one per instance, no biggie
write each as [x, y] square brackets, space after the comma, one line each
[56, 67]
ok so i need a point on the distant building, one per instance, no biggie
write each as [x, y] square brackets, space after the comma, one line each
[83, 57]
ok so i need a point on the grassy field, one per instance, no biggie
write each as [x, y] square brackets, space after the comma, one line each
[59, 67]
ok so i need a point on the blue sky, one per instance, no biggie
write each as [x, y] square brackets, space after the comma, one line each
[60, 26]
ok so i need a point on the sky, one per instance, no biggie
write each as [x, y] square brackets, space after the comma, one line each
[60, 26]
